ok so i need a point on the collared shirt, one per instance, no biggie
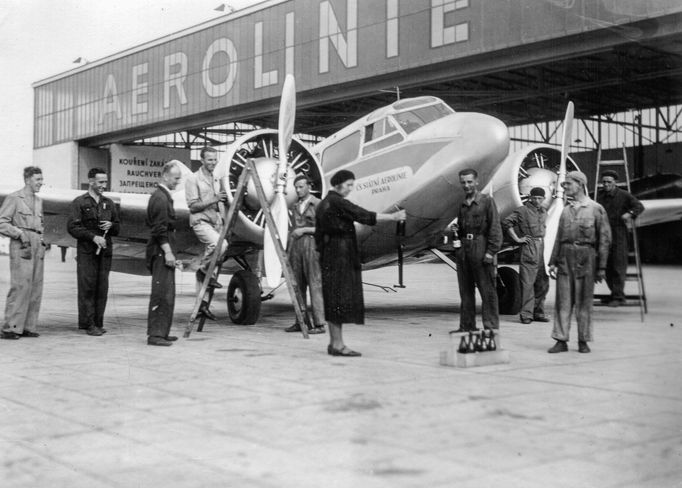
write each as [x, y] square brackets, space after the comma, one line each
[619, 202]
[528, 220]
[21, 210]
[480, 218]
[86, 215]
[202, 186]
[304, 212]
[584, 222]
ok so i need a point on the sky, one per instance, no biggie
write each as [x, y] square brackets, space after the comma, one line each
[41, 38]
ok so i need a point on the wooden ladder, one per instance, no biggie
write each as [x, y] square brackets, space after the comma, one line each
[226, 232]
[633, 253]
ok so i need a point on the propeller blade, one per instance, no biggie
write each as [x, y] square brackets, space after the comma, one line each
[273, 266]
[287, 117]
[278, 208]
[554, 212]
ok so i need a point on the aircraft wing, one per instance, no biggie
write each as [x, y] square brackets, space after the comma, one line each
[660, 211]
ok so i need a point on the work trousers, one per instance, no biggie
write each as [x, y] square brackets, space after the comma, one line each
[93, 288]
[534, 279]
[162, 299]
[26, 285]
[305, 263]
[209, 235]
[574, 291]
[617, 262]
[472, 272]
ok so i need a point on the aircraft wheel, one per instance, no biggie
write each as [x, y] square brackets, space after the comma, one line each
[508, 291]
[243, 298]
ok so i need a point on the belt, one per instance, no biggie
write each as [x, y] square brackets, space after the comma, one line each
[32, 230]
[470, 237]
[535, 238]
[578, 243]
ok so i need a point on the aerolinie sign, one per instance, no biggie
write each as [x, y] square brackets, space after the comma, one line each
[245, 59]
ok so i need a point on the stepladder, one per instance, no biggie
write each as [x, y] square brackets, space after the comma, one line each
[633, 273]
[206, 291]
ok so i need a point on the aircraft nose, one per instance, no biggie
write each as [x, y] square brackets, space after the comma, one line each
[475, 140]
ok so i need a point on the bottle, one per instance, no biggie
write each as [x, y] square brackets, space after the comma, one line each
[493, 345]
[456, 242]
[463, 345]
[471, 346]
[483, 343]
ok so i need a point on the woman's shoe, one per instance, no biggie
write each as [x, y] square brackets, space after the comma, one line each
[342, 352]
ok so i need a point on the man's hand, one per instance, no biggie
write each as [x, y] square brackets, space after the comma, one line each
[524, 240]
[169, 259]
[222, 197]
[601, 274]
[488, 258]
[552, 271]
[100, 242]
[627, 217]
[24, 239]
[296, 233]
[105, 225]
[399, 215]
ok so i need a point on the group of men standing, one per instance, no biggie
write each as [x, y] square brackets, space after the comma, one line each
[584, 252]
[591, 244]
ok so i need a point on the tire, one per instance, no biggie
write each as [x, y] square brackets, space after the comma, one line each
[508, 291]
[243, 298]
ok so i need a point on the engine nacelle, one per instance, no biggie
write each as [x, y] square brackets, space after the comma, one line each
[262, 147]
[536, 165]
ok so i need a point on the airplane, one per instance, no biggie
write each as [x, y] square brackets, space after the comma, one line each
[405, 155]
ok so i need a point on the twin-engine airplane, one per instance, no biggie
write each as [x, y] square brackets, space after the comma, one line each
[407, 155]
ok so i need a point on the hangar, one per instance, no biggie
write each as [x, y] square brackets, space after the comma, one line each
[619, 61]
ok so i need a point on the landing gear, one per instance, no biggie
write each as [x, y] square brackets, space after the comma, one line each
[243, 298]
[508, 291]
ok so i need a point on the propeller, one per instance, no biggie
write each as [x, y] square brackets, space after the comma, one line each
[280, 213]
[554, 212]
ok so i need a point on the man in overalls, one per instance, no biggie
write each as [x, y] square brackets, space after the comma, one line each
[581, 247]
[303, 257]
[526, 226]
[93, 220]
[479, 228]
[622, 208]
[21, 219]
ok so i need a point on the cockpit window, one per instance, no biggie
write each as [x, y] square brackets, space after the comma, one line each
[379, 129]
[412, 120]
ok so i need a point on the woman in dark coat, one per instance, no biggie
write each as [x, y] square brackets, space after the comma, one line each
[340, 258]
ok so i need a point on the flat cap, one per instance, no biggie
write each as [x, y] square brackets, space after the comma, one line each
[537, 192]
[577, 176]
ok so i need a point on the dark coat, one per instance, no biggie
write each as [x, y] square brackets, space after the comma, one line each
[84, 220]
[161, 219]
[340, 257]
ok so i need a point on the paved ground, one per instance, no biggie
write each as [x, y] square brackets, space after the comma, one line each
[255, 407]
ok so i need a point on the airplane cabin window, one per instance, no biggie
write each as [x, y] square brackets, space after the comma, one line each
[412, 120]
[342, 151]
[394, 138]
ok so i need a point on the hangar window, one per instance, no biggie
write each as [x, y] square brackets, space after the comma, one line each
[412, 120]
[342, 151]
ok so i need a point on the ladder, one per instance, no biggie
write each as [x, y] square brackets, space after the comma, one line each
[636, 275]
[229, 219]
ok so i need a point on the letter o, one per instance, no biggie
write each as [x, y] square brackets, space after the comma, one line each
[219, 89]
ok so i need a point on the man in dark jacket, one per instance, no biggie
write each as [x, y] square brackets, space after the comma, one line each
[479, 228]
[161, 257]
[93, 220]
[621, 208]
